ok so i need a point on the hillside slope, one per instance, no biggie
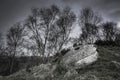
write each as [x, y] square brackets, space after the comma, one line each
[107, 67]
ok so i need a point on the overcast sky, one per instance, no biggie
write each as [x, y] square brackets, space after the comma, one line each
[12, 11]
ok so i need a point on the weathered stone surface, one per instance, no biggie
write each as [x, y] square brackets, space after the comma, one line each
[80, 56]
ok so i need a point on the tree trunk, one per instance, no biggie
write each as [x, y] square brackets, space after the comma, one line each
[12, 63]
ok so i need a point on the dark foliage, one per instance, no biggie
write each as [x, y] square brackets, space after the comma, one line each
[74, 45]
[64, 51]
[28, 68]
[19, 63]
[106, 43]
[57, 56]
[4, 66]
[77, 48]
[109, 30]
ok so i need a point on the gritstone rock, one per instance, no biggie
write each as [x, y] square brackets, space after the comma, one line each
[80, 56]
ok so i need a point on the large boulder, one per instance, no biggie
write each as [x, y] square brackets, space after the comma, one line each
[80, 56]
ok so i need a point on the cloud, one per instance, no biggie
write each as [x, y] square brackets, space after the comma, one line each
[12, 11]
[115, 15]
[108, 8]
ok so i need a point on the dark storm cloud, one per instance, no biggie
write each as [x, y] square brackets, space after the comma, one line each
[115, 15]
[12, 11]
[110, 9]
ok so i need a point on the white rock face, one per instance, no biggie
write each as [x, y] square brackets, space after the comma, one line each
[88, 60]
[80, 56]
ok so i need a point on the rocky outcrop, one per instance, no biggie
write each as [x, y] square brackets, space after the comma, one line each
[80, 56]
[76, 57]
[107, 67]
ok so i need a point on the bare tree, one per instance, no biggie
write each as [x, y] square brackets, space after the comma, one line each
[64, 28]
[14, 41]
[39, 24]
[88, 21]
[49, 17]
[109, 30]
[50, 28]
[60, 31]
[34, 30]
